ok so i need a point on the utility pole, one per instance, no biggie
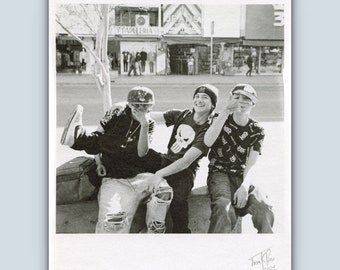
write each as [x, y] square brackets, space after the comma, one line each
[211, 45]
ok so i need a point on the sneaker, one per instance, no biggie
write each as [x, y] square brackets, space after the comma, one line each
[70, 131]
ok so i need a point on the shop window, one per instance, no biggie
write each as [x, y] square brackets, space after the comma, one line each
[271, 59]
[241, 54]
[153, 18]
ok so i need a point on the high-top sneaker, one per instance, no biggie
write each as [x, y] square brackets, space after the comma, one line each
[73, 123]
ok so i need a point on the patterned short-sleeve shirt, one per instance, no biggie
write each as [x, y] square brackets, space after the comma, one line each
[120, 142]
[230, 151]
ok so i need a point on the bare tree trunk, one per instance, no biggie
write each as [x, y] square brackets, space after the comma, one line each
[102, 72]
[101, 66]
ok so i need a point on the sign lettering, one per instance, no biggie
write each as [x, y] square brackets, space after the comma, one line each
[135, 30]
[278, 15]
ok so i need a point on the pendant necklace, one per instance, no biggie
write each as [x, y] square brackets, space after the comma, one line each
[129, 134]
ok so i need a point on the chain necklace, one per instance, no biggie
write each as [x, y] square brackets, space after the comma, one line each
[129, 135]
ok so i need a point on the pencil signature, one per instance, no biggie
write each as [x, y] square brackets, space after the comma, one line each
[264, 260]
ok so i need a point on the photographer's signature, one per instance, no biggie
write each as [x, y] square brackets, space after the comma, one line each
[263, 260]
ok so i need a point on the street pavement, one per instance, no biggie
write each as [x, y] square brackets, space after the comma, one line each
[71, 78]
[171, 91]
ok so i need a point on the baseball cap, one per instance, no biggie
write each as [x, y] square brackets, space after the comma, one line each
[246, 90]
[141, 95]
[210, 90]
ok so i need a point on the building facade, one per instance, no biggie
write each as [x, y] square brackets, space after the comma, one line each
[176, 39]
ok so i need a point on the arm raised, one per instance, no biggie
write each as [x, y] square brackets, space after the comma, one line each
[214, 130]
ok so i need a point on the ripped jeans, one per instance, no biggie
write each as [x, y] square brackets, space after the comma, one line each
[119, 199]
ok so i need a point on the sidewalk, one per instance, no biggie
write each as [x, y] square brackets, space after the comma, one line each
[67, 78]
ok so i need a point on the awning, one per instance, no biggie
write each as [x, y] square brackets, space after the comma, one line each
[198, 40]
[134, 38]
[263, 43]
[67, 40]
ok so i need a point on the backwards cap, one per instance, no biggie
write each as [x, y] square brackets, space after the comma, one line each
[246, 90]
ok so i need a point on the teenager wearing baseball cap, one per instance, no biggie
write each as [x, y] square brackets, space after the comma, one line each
[122, 137]
[236, 143]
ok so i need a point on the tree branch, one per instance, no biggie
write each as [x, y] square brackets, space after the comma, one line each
[99, 12]
[97, 59]
[88, 18]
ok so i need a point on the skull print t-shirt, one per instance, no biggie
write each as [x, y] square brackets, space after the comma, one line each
[185, 134]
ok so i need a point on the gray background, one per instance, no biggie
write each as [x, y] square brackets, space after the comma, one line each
[24, 133]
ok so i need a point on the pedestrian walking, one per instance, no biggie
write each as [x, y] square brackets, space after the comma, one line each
[143, 56]
[250, 65]
[138, 65]
[132, 63]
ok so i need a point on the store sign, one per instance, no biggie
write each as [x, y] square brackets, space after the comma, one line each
[265, 22]
[182, 20]
[278, 15]
[135, 30]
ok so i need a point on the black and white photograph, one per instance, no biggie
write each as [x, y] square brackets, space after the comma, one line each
[175, 119]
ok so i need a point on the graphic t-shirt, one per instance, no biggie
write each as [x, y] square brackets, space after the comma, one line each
[230, 151]
[185, 134]
[119, 141]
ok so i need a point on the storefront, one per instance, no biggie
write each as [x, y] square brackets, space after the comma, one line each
[264, 39]
[147, 51]
[187, 33]
[199, 50]
[68, 54]
[136, 31]
[182, 30]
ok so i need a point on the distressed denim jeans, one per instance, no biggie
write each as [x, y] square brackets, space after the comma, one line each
[119, 199]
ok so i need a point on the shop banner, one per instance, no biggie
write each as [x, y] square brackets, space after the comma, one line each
[182, 20]
[135, 30]
[265, 22]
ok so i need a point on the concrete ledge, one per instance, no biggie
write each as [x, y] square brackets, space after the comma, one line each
[82, 217]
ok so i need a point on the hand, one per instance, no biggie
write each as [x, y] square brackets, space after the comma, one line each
[118, 108]
[154, 182]
[101, 170]
[232, 104]
[140, 116]
[240, 197]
